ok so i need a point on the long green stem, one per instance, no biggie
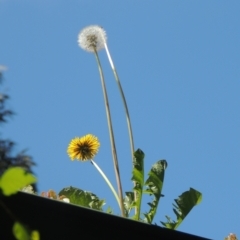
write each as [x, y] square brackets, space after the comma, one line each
[124, 100]
[137, 211]
[114, 151]
[107, 181]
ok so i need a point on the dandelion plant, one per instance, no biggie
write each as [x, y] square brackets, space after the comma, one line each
[92, 39]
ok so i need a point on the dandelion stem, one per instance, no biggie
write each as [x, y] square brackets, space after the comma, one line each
[107, 181]
[137, 211]
[123, 98]
[114, 152]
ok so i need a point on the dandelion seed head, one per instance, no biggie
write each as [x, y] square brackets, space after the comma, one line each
[92, 38]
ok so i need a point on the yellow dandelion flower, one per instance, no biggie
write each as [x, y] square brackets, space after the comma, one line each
[84, 148]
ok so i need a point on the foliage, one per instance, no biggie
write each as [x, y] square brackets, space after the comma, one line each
[82, 198]
[138, 178]
[15, 173]
[154, 185]
[7, 160]
[21, 232]
[184, 204]
[128, 203]
[11, 181]
[14, 179]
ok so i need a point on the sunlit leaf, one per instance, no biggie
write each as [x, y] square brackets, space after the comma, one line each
[20, 232]
[15, 178]
[35, 235]
[128, 202]
[109, 210]
[184, 204]
[82, 198]
[138, 178]
[154, 185]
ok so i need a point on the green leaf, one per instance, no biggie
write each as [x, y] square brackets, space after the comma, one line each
[23, 233]
[154, 185]
[82, 198]
[109, 210]
[20, 232]
[183, 206]
[138, 178]
[128, 202]
[14, 179]
[35, 235]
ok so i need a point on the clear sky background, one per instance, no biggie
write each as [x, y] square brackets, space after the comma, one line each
[178, 62]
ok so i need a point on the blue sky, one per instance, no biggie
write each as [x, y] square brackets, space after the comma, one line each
[178, 62]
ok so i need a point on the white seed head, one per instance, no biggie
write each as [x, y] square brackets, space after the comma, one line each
[92, 37]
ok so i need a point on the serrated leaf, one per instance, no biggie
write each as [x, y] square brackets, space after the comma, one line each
[138, 169]
[184, 204]
[128, 202]
[20, 232]
[82, 198]
[154, 185]
[138, 178]
[15, 178]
